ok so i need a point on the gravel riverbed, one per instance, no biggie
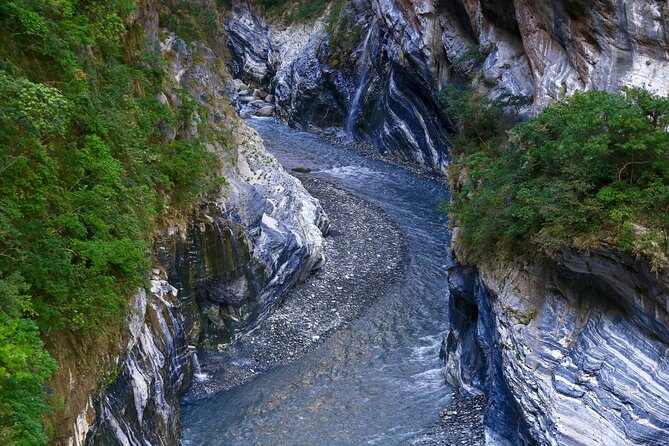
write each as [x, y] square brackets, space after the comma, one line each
[365, 255]
[459, 424]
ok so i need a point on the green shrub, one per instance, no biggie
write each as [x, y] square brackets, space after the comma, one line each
[294, 11]
[192, 22]
[85, 178]
[592, 168]
[470, 58]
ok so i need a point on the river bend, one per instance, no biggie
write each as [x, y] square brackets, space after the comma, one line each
[378, 381]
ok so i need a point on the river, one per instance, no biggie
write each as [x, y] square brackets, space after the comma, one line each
[378, 381]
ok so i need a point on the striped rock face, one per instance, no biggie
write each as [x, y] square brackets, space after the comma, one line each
[383, 86]
[576, 350]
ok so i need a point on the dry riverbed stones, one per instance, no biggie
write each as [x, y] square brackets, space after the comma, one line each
[365, 255]
[250, 101]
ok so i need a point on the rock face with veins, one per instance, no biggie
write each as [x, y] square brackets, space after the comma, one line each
[567, 351]
[250, 47]
[536, 49]
[573, 350]
[220, 272]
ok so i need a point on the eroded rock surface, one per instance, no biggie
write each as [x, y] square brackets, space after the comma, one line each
[140, 406]
[383, 87]
[580, 350]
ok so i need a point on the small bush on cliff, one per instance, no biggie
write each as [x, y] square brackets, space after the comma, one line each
[592, 168]
[84, 177]
[191, 21]
[295, 11]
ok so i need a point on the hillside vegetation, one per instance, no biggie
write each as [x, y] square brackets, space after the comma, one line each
[593, 167]
[85, 178]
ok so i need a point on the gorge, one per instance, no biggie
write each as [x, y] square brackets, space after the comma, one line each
[324, 257]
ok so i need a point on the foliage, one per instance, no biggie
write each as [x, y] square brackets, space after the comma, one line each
[85, 178]
[294, 11]
[192, 22]
[470, 58]
[592, 168]
[24, 366]
[308, 10]
[344, 35]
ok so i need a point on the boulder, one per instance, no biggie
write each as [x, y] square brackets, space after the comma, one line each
[239, 85]
[265, 111]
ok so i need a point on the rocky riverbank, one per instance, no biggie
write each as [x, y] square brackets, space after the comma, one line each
[365, 255]
[459, 424]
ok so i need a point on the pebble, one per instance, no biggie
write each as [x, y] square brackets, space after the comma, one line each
[360, 267]
[460, 423]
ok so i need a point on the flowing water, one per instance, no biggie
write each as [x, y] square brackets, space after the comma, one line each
[364, 65]
[376, 382]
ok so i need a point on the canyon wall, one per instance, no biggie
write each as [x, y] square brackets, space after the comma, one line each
[217, 272]
[570, 350]
[567, 351]
[374, 70]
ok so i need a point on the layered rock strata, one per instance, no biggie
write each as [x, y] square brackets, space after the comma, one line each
[377, 74]
[571, 350]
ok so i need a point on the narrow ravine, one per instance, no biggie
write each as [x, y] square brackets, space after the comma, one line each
[376, 381]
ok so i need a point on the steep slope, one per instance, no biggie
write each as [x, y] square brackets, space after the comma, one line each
[231, 263]
[570, 351]
[125, 172]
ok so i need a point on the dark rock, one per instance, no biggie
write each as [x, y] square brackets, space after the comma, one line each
[249, 45]
[300, 169]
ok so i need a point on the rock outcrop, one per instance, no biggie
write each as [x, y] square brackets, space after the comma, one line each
[381, 82]
[140, 406]
[381, 88]
[245, 247]
[250, 47]
[573, 350]
[221, 270]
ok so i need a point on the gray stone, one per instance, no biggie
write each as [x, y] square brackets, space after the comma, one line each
[265, 111]
[258, 103]
[577, 343]
[249, 44]
[301, 169]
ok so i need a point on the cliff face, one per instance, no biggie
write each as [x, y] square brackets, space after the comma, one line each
[577, 351]
[377, 74]
[140, 406]
[570, 351]
[217, 273]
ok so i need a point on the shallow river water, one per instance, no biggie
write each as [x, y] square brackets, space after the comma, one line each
[376, 382]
